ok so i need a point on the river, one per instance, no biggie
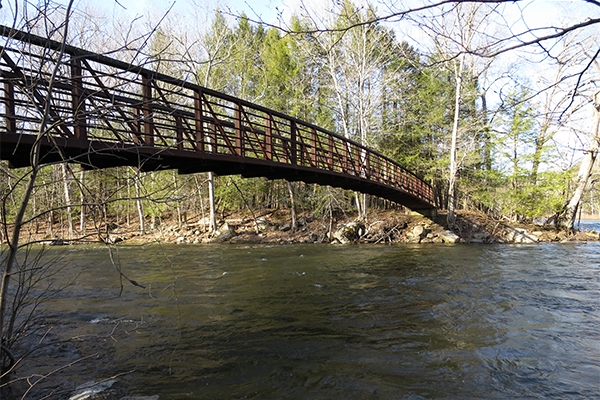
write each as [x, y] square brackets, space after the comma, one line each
[329, 322]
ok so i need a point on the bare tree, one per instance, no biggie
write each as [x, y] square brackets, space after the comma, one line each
[354, 61]
[19, 220]
[41, 65]
[567, 219]
[456, 31]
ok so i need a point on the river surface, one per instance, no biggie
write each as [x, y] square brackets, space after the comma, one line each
[588, 224]
[331, 322]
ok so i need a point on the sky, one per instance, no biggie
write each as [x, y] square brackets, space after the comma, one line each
[267, 10]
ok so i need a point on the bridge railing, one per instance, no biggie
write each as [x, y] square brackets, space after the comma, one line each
[90, 97]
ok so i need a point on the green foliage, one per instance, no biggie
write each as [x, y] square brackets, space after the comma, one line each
[253, 192]
[543, 199]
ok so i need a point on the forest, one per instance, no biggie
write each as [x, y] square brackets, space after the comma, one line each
[491, 125]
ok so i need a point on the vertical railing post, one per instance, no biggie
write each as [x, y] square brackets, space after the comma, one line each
[78, 100]
[147, 111]
[357, 161]
[293, 142]
[330, 153]
[212, 138]
[199, 120]
[137, 134]
[179, 127]
[9, 103]
[385, 171]
[239, 133]
[345, 156]
[269, 138]
[313, 147]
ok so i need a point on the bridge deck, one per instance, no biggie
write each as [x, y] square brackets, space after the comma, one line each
[86, 108]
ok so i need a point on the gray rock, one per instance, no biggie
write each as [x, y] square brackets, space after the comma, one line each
[521, 235]
[262, 224]
[449, 237]
[285, 227]
[225, 233]
[91, 390]
[419, 231]
[438, 239]
[349, 233]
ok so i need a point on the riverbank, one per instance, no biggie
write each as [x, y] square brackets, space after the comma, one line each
[381, 227]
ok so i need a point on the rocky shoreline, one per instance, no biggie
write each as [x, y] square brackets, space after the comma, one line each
[382, 228]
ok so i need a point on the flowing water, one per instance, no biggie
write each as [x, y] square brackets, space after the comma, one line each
[331, 322]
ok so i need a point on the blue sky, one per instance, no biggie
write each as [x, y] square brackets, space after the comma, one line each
[265, 9]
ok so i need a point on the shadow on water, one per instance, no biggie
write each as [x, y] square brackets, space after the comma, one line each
[326, 322]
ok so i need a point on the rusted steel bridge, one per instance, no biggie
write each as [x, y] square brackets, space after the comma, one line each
[86, 108]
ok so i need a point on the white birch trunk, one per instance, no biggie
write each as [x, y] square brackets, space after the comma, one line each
[212, 222]
[82, 201]
[68, 199]
[138, 199]
[451, 219]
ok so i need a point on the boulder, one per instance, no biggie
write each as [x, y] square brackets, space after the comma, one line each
[349, 233]
[449, 237]
[225, 233]
[262, 224]
[94, 391]
[520, 235]
[547, 236]
[418, 233]
[438, 239]
[285, 227]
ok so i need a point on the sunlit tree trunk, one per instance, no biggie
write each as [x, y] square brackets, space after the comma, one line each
[569, 215]
[451, 219]
[82, 201]
[292, 206]
[68, 199]
[138, 200]
[212, 217]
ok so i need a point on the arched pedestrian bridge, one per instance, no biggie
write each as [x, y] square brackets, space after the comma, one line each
[101, 112]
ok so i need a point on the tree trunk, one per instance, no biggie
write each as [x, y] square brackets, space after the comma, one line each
[13, 246]
[358, 204]
[293, 207]
[569, 214]
[138, 196]
[82, 200]
[202, 216]
[212, 218]
[451, 219]
[68, 199]
[179, 212]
